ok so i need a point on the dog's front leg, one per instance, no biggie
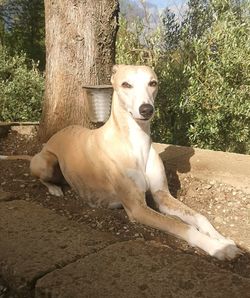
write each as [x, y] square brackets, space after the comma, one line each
[133, 200]
[168, 205]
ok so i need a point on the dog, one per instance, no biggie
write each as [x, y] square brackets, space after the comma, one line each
[116, 164]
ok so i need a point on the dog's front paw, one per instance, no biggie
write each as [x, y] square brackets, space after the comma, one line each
[225, 249]
[221, 249]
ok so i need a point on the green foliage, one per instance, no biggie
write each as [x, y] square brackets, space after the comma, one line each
[21, 88]
[172, 30]
[128, 47]
[170, 122]
[199, 18]
[22, 28]
[136, 47]
[218, 97]
[203, 66]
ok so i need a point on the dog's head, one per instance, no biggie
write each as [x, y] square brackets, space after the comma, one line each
[136, 87]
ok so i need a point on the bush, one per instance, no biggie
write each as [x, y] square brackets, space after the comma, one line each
[135, 46]
[21, 88]
[217, 100]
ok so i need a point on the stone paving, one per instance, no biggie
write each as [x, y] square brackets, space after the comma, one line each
[43, 254]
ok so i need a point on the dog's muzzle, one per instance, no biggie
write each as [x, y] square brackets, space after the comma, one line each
[146, 110]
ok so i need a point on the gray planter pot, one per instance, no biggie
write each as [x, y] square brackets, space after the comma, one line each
[99, 100]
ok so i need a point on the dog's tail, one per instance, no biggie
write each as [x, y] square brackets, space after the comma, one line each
[15, 157]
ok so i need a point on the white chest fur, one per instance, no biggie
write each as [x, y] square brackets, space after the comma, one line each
[139, 137]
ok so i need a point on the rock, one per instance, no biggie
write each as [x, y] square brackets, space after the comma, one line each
[218, 219]
[6, 196]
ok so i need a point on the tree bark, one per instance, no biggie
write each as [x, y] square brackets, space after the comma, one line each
[80, 50]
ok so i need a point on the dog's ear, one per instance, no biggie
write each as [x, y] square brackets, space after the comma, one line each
[114, 70]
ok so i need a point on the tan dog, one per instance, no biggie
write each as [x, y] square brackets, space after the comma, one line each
[116, 164]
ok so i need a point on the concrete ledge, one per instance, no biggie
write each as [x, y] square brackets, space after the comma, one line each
[224, 167]
[24, 128]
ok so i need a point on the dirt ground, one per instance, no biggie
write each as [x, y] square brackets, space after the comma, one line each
[226, 207]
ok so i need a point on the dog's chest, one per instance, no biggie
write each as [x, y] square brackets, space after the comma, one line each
[140, 144]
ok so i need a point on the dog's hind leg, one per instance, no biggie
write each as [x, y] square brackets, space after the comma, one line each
[53, 189]
[45, 166]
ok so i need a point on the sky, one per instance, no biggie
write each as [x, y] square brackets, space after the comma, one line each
[177, 6]
[155, 7]
[163, 3]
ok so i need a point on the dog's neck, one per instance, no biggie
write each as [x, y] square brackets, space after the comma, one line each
[136, 132]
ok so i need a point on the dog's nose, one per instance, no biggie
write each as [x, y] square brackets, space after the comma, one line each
[146, 110]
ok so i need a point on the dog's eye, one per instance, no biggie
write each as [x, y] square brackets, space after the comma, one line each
[126, 85]
[152, 84]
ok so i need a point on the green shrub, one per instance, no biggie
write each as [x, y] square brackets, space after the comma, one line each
[217, 100]
[21, 88]
[135, 46]
[170, 122]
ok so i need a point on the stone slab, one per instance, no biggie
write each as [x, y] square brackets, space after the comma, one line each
[35, 241]
[137, 269]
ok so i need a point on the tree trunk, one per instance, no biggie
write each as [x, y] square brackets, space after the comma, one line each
[80, 50]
